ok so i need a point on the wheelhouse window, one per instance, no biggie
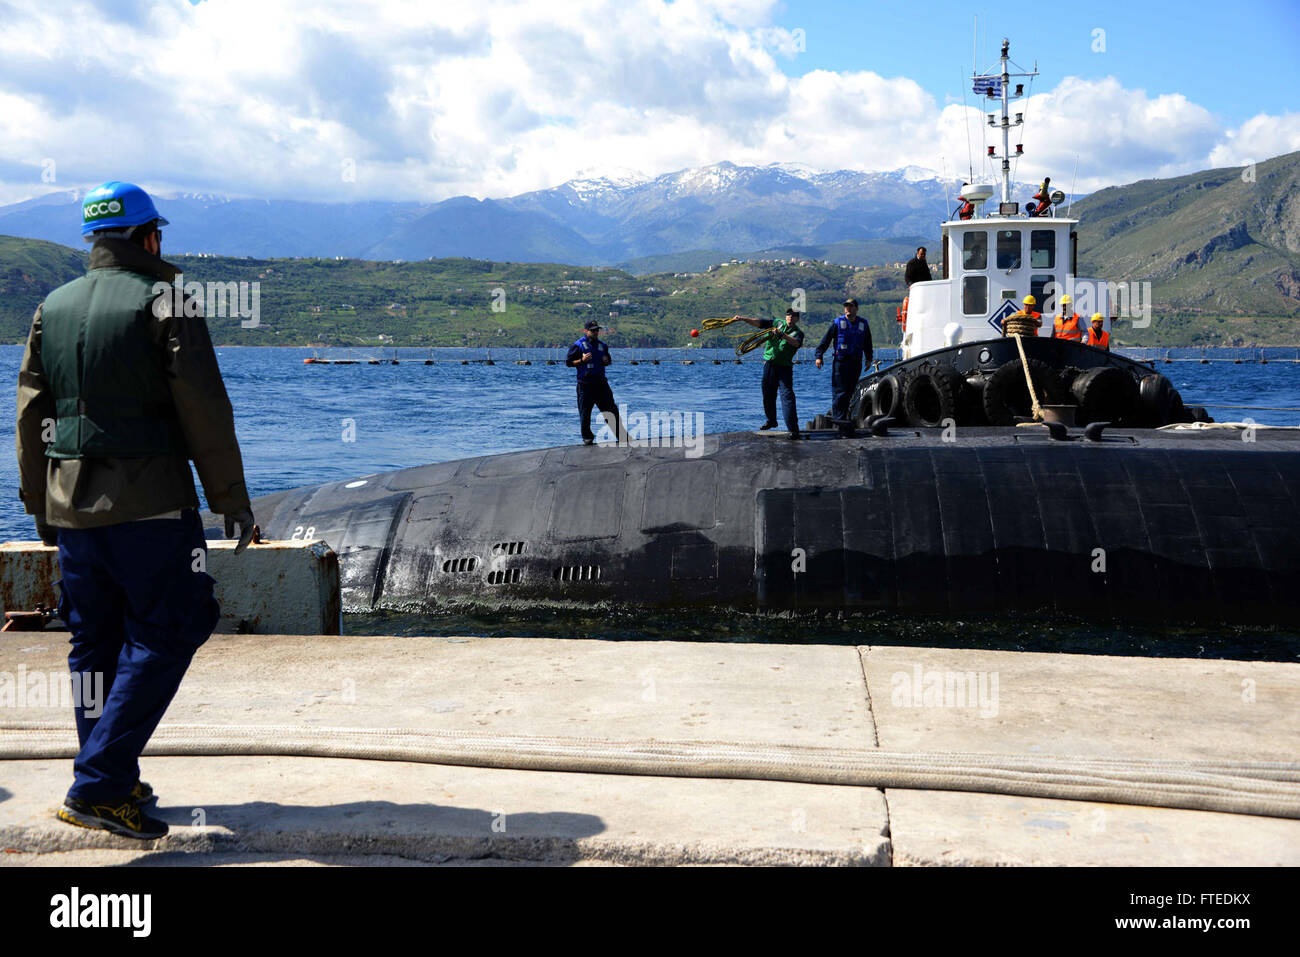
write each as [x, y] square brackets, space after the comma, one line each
[975, 250]
[1009, 249]
[975, 295]
[1040, 286]
[1042, 249]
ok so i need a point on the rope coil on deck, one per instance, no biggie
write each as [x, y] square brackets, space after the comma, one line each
[1267, 789]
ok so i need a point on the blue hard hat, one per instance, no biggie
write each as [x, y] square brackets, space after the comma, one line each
[117, 205]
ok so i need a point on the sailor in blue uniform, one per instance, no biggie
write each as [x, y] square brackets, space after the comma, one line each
[590, 356]
[852, 338]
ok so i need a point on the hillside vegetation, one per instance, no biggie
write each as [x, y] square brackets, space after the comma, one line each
[1221, 249]
[467, 302]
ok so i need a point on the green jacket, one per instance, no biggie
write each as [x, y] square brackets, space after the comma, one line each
[779, 350]
[104, 369]
[105, 432]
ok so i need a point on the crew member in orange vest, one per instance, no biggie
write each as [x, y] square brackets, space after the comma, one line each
[1044, 197]
[1026, 322]
[1097, 336]
[966, 209]
[1067, 324]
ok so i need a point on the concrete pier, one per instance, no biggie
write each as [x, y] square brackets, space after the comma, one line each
[252, 810]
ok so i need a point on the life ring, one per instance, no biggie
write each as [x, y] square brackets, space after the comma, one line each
[1106, 394]
[901, 311]
[1006, 396]
[931, 395]
[887, 399]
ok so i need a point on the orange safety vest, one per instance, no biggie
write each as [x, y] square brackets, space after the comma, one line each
[1100, 341]
[1067, 327]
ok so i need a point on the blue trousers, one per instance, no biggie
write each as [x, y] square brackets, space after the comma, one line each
[137, 610]
[779, 378]
[596, 392]
[845, 373]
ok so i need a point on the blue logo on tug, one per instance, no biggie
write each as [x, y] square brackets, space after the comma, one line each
[1007, 308]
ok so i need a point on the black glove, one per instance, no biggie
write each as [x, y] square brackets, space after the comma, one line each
[244, 520]
[49, 535]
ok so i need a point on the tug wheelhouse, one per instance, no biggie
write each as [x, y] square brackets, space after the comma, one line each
[960, 363]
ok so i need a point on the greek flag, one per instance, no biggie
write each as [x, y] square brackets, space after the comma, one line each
[985, 85]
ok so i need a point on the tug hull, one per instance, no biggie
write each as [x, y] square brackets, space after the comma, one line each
[1151, 525]
[976, 362]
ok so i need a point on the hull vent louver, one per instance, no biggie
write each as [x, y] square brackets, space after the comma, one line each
[577, 573]
[453, 566]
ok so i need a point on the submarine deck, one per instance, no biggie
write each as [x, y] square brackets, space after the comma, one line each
[1193, 525]
[254, 810]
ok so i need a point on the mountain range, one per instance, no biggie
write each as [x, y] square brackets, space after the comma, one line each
[714, 212]
[1219, 248]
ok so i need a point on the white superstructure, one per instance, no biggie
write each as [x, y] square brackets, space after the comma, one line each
[992, 260]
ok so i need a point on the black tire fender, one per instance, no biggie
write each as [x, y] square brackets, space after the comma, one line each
[931, 396]
[1156, 399]
[1106, 394]
[887, 399]
[1006, 396]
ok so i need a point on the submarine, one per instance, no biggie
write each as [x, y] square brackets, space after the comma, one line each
[981, 475]
[1155, 525]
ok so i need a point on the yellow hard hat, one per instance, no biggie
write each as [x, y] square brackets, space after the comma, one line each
[1066, 298]
[1030, 301]
[1098, 317]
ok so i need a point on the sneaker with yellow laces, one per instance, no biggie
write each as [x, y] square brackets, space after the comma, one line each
[120, 817]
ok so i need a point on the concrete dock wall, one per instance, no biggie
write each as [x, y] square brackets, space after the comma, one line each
[282, 588]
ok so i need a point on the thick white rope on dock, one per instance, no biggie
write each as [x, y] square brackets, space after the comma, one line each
[1266, 789]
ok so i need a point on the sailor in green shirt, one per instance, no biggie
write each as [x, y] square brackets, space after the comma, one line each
[778, 372]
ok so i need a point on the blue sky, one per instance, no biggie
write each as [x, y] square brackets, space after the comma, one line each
[1234, 58]
[365, 99]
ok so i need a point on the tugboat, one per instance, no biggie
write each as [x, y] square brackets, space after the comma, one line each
[966, 339]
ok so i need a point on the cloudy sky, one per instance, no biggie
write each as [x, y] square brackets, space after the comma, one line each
[424, 99]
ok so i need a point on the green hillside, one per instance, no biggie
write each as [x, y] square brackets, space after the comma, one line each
[1221, 249]
[29, 269]
[466, 302]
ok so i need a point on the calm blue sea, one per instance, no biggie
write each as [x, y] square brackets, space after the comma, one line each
[290, 416]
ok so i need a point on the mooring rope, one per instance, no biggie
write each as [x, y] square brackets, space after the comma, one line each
[1269, 789]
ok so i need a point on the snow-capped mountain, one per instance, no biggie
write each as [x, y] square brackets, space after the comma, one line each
[600, 217]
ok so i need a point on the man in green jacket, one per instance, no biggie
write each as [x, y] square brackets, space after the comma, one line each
[119, 389]
[783, 342]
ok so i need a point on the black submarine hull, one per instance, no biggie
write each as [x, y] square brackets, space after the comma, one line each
[1146, 525]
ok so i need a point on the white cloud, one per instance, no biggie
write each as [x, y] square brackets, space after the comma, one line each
[273, 97]
[1258, 138]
